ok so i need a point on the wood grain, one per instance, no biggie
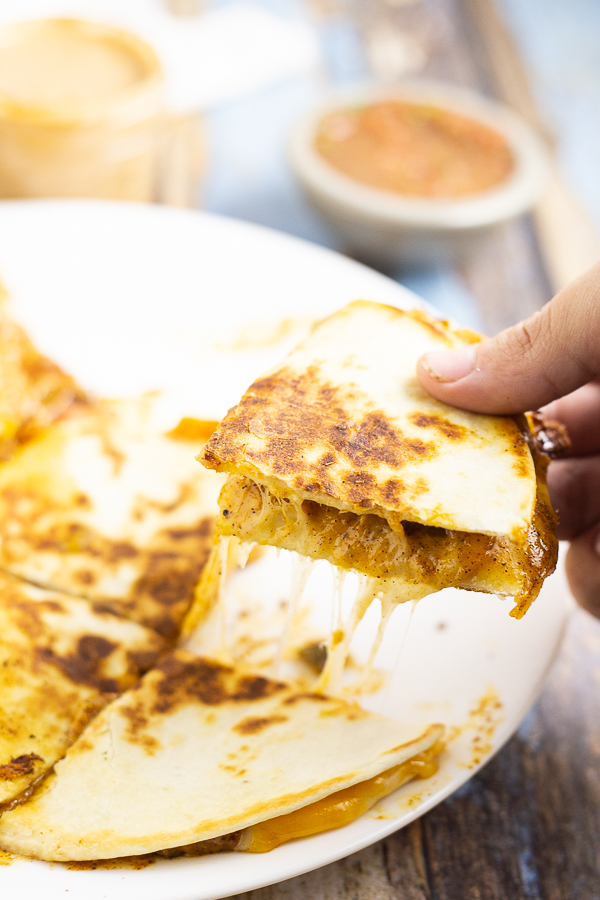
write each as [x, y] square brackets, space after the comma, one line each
[568, 238]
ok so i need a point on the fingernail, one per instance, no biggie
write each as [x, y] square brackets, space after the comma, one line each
[450, 365]
[597, 543]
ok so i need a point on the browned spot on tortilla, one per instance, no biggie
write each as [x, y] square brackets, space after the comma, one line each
[53, 606]
[35, 390]
[304, 695]
[121, 550]
[114, 453]
[85, 577]
[137, 723]
[186, 679]
[451, 430]
[168, 564]
[438, 327]
[419, 487]
[362, 478]
[327, 459]
[202, 529]
[170, 569]
[254, 725]
[521, 468]
[294, 413]
[19, 766]
[522, 461]
[164, 582]
[81, 746]
[85, 664]
[392, 489]
[142, 660]
[27, 615]
[165, 626]
[469, 336]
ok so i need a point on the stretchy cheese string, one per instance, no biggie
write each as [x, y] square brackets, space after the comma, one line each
[301, 571]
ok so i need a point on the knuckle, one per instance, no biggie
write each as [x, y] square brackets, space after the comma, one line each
[526, 350]
[523, 342]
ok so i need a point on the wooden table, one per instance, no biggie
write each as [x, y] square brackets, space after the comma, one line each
[528, 825]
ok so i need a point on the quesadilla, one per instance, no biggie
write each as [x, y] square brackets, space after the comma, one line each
[339, 454]
[104, 506]
[35, 391]
[60, 662]
[202, 752]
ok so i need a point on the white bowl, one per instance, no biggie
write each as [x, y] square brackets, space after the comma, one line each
[386, 229]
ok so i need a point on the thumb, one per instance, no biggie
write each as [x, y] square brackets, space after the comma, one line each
[545, 357]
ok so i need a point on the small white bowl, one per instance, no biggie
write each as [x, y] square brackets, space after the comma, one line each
[386, 229]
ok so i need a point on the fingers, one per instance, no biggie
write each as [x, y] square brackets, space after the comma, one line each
[549, 355]
[580, 412]
[582, 567]
[574, 486]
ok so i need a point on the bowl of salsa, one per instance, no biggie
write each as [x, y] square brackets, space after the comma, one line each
[416, 174]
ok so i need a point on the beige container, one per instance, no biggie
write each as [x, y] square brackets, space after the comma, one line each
[81, 111]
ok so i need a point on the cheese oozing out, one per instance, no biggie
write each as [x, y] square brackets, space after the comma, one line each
[396, 560]
[403, 560]
[338, 809]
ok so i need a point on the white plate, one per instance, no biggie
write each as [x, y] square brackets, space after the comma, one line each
[132, 297]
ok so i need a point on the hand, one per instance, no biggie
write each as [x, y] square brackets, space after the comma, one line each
[551, 360]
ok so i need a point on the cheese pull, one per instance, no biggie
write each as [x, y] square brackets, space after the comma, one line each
[338, 809]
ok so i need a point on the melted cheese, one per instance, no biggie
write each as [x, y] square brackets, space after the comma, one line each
[301, 570]
[403, 559]
[395, 564]
[338, 809]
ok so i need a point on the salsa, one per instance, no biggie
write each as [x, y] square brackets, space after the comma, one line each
[414, 149]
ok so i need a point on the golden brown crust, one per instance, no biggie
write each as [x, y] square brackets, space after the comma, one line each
[344, 421]
[60, 662]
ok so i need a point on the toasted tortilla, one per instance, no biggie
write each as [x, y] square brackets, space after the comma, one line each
[60, 662]
[344, 422]
[105, 507]
[340, 454]
[198, 750]
[35, 391]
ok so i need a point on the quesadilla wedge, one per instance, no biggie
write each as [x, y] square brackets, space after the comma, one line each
[339, 454]
[35, 391]
[200, 752]
[60, 662]
[104, 506]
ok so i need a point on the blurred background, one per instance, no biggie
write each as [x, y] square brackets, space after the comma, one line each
[238, 75]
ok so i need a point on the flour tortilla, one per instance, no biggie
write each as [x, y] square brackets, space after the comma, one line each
[196, 751]
[60, 662]
[345, 423]
[106, 507]
[35, 391]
